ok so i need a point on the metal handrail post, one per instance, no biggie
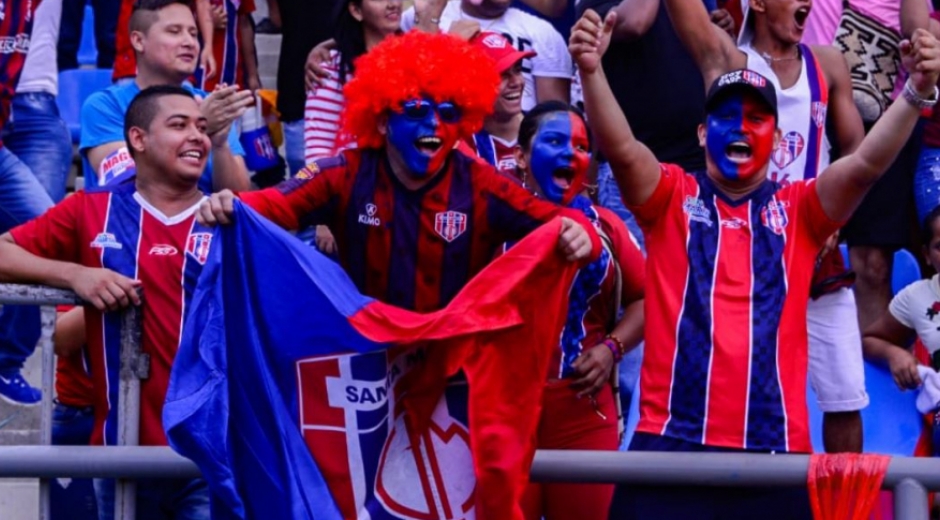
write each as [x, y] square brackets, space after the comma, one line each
[46, 343]
[910, 501]
[135, 365]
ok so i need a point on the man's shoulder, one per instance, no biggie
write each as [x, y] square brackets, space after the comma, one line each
[114, 99]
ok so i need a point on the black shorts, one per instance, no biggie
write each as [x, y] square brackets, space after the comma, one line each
[885, 217]
[638, 502]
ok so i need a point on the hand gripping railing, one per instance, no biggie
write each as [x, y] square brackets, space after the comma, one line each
[134, 367]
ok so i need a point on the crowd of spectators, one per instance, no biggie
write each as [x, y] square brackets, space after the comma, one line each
[595, 76]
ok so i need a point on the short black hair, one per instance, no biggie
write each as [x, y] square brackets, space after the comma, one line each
[533, 118]
[144, 107]
[145, 12]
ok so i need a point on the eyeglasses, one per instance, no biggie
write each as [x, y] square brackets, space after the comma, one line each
[418, 109]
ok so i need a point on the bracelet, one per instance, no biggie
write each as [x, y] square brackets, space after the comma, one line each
[915, 99]
[616, 347]
[435, 21]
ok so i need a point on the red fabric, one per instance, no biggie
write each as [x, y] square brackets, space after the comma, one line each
[125, 62]
[845, 486]
[505, 396]
[73, 385]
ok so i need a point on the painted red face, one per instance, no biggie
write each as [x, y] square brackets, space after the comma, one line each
[740, 136]
[561, 153]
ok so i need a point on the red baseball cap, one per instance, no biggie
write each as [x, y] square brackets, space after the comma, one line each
[497, 47]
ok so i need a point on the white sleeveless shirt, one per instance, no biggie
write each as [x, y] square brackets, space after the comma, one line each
[803, 151]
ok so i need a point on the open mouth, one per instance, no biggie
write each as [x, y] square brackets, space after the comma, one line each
[194, 156]
[562, 177]
[428, 145]
[738, 152]
[512, 96]
[800, 17]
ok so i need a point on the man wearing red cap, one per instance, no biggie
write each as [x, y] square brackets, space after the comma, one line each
[496, 142]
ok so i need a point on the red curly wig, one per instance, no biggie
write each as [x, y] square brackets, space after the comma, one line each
[415, 64]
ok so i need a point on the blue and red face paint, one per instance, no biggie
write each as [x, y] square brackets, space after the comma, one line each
[424, 133]
[561, 153]
[740, 136]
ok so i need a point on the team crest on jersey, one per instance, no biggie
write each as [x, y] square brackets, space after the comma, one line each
[197, 246]
[348, 418]
[818, 112]
[696, 210]
[774, 216]
[788, 149]
[308, 172]
[450, 224]
[369, 218]
[106, 241]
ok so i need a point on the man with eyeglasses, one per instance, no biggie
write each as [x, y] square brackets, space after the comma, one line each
[414, 220]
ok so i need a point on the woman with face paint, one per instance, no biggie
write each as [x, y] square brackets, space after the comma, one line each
[578, 407]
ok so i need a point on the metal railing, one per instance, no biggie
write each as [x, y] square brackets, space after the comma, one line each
[134, 367]
[908, 477]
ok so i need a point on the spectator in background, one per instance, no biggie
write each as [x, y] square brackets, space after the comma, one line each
[497, 142]
[125, 62]
[22, 198]
[547, 75]
[359, 25]
[914, 15]
[40, 139]
[876, 229]
[233, 46]
[163, 34]
[70, 35]
[300, 34]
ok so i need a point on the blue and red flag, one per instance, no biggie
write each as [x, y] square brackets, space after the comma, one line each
[300, 398]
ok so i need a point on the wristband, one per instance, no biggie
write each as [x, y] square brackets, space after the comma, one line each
[616, 348]
[920, 103]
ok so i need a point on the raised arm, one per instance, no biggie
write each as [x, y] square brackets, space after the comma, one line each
[634, 165]
[634, 17]
[710, 46]
[843, 185]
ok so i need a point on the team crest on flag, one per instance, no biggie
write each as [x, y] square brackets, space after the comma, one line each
[818, 112]
[348, 420]
[198, 246]
[774, 216]
[788, 149]
[450, 224]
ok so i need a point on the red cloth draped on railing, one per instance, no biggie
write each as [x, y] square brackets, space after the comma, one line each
[845, 486]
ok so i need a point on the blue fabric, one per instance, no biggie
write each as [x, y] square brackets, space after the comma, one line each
[294, 146]
[246, 437]
[103, 122]
[927, 182]
[40, 139]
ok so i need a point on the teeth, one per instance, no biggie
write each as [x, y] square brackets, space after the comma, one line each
[194, 154]
[429, 140]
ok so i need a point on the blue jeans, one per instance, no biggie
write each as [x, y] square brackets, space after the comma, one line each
[608, 196]
[41, 140]
[72, 499]
[71, 425]
[927, 182]
[159, 499]
[70, 32]
[22, 198]
[294, 146]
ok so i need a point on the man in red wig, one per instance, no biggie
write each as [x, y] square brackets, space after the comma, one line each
[414, 220]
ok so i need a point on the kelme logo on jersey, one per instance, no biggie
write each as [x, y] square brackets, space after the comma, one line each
[774, 216]
[197, 246]
[450, 224]
[368, 218]
[696, 210]
[105, 240]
